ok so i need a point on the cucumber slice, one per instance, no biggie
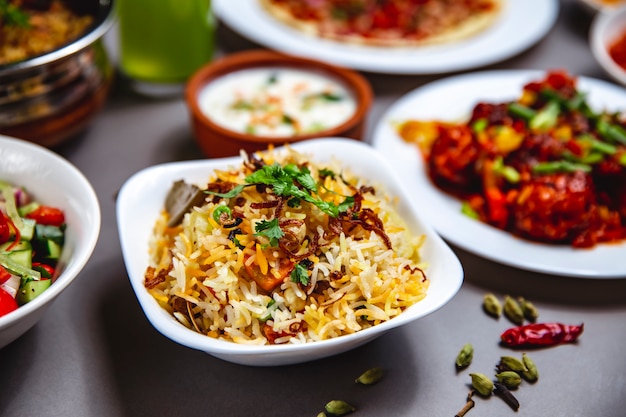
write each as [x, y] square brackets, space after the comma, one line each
[31, 290]
[22, 245]
[23, 257]
[53, 249]
[17, 269]
[27, 231]
[21, 253]
[43, 232]
[27, 208]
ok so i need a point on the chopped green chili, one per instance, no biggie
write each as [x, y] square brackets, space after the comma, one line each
[559, 166]
[519, 110]
[219, 210]
[596, 144]
[480, 125]
[508, 172]
[611, 132]
[546, 117]
[467, 210]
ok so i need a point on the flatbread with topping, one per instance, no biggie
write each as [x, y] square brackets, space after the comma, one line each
[387, 22]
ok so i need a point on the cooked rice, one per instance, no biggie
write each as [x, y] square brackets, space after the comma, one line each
[46, 31]
[356, 281]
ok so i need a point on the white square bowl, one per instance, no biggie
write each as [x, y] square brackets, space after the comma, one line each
[140, 202]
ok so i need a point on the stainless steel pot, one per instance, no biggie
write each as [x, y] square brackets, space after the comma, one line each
[52, 97]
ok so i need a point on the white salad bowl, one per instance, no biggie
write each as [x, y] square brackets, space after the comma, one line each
[53, 181]
[148, 188]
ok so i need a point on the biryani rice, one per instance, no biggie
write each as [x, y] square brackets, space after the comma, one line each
[46, 30]
[356, 281]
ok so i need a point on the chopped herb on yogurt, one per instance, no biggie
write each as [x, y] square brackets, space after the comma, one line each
[277, 102]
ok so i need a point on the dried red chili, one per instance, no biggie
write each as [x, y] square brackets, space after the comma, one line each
[541, 334]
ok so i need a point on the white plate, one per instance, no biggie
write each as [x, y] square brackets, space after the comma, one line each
[453, 99]
[140, 201]
[523, 23]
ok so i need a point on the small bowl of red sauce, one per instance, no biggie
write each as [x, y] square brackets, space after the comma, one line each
[607, 38]
[253, 99]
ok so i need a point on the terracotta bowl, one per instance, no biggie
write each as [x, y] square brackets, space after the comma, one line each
[217, 141]
[607, 28]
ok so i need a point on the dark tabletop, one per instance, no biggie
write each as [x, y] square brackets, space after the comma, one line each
[95, 354]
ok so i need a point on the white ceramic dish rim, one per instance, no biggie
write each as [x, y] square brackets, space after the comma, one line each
[596, 5]
[28, 164]
[606, 27]
[444, 212]
[523, 24]
[446, 273]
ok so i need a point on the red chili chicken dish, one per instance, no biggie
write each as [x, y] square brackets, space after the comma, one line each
[545, 167]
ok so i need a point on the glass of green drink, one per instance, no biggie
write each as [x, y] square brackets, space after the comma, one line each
[162, 42]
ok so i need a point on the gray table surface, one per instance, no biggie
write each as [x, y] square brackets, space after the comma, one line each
[95, 354]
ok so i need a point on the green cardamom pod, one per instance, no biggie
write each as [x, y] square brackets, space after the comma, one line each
[338, 408]
[510, 363]
[369, 377]
[321, 414]
[482, 384]
[529, 310]
[531, 374]
[465, 356]
[513, 311]
[510, 379]
[492, 305]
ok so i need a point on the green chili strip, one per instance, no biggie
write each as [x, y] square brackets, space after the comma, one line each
[591, 158]
[508, 172]
[511, 174]
[467, 210]
[597, 145]
[480, 125]
[611, 132]
[552, 95]
[575, 103]
[546, 117]
[519, 110]
[559, 166]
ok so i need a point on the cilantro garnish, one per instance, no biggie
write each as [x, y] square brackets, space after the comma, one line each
[288, 120]
[232, 193]
[270, 229]
[12, 15]
[284, 183]
[300, 274]
[293, 182]
[325, 172]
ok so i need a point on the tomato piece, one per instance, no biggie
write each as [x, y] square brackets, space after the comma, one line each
[5, 230]
[7, 303]
[4, 275]
[46, 215]
[46, 270]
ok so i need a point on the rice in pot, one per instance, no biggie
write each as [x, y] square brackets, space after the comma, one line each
[33, 31]
[282, 250]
